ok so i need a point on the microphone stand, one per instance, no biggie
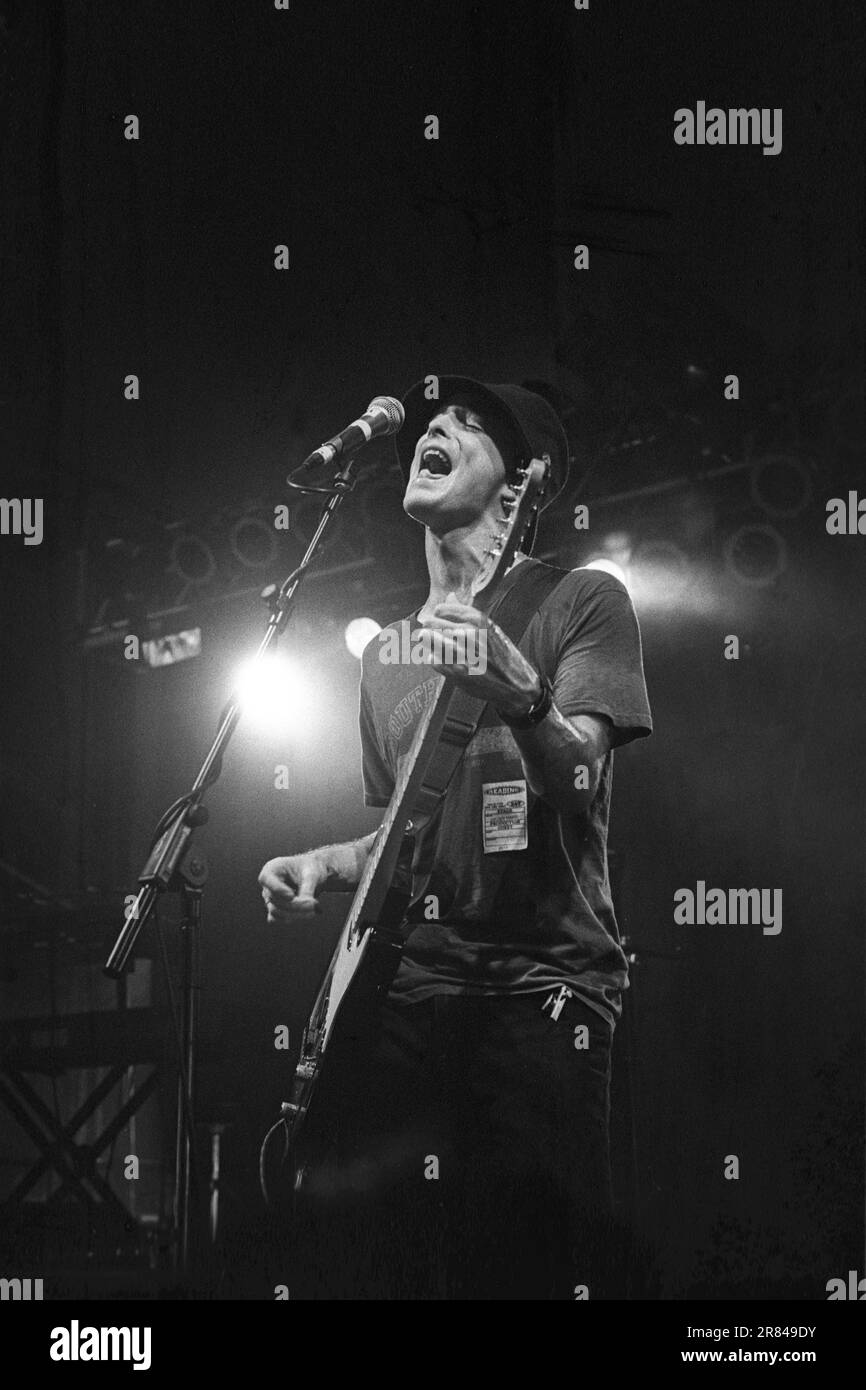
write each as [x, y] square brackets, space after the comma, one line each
[171, 868]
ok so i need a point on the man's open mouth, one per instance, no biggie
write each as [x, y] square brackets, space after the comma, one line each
[434, 462]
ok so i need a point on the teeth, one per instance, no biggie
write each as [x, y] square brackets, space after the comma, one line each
[435, 456]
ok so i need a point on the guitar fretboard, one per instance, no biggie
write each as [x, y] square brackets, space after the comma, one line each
[393, 822]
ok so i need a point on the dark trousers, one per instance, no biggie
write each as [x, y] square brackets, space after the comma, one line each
[461, 1152]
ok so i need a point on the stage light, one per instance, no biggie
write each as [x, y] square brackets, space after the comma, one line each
[191, 559]
[616, 547]
[609, 567]
[253, 542]
[662, 561]
[275, 695]
[780, 485]
[664, 579]
[174, 647]
[756, 555]
[359, 632]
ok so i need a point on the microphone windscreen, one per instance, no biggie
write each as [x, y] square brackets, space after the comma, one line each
[392, 408]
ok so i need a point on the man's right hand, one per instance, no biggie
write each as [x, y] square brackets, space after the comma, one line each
[290, 884]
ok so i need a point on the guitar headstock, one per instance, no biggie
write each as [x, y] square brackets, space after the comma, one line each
[500, 557]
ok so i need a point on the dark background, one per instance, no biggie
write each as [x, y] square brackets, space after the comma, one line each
[410, 257]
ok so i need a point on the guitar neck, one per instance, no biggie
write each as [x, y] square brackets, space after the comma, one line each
[408, 798]
[412, 795]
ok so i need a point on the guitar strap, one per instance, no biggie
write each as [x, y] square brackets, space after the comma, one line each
[512, 611]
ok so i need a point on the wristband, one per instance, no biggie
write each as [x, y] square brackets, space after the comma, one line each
[536, 712]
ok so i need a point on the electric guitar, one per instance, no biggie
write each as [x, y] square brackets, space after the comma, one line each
[370, 944]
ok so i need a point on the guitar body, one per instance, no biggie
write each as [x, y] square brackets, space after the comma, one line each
[371, 961]
[368, 951]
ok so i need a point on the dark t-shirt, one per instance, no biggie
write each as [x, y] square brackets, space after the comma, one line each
[512, 920]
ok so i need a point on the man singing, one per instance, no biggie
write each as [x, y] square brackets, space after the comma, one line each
[465, 1152]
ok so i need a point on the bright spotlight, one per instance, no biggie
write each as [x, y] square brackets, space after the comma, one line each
[662, 567]
[359, 632]
[661, 574]
[609, 567]
[275, 695]
[617, 547]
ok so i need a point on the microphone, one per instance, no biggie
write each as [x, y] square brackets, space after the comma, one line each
[384, 415]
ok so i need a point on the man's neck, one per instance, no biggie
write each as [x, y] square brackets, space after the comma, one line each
[454, 562]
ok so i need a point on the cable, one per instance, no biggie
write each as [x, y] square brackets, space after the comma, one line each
[263, 1184]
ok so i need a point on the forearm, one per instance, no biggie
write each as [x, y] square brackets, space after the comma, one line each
[562, 757]
[562, 762]
[344, 863]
